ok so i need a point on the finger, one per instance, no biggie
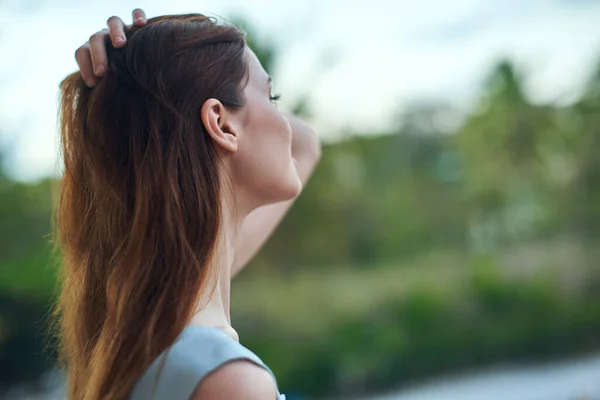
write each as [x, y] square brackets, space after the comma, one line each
[139, 17]
[98, 52]
[84, 61]
[116, 31]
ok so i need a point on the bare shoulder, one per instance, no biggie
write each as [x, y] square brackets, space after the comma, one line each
[237, 380]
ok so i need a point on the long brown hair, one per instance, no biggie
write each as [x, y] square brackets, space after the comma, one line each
[139, 211]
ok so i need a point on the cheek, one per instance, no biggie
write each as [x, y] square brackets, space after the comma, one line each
[264, 157]
[271, 133]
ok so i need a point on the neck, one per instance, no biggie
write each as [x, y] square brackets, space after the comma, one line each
[214, 308]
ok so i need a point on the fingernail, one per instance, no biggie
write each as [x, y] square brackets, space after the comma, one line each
[138, 20]
[119, 39]
[99, 70]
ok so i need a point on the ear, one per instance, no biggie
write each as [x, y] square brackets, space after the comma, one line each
[217, 121]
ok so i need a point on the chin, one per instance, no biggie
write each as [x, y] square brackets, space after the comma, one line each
[292, 187]
[292, 191]
[283, 188]
[298, 189]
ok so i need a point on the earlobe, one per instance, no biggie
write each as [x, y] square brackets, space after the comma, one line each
[216, 120]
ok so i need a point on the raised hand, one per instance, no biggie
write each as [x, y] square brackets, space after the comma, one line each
[91, 56]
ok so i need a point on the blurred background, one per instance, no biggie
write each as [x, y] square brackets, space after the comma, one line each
[447, 245]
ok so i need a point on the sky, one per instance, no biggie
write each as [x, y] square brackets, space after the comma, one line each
[359, 62]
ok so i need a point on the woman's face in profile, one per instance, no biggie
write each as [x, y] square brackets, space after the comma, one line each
[263, 164]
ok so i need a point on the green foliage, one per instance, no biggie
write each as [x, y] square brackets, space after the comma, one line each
[416, 330]
[25, 234]
[25, 349]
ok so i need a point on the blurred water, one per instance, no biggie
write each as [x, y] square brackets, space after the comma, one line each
[572, 380]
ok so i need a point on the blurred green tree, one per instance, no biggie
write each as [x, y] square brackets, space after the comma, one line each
[502, 145]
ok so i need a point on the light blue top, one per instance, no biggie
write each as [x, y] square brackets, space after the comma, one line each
[197, 352]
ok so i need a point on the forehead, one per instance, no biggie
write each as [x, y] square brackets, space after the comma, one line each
[255, 70]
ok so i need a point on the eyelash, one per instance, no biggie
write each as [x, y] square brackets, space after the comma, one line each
[275, 97]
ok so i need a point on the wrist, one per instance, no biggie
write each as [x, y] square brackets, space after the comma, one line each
[305, 142]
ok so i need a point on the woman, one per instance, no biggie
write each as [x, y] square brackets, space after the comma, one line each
[178, 167]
